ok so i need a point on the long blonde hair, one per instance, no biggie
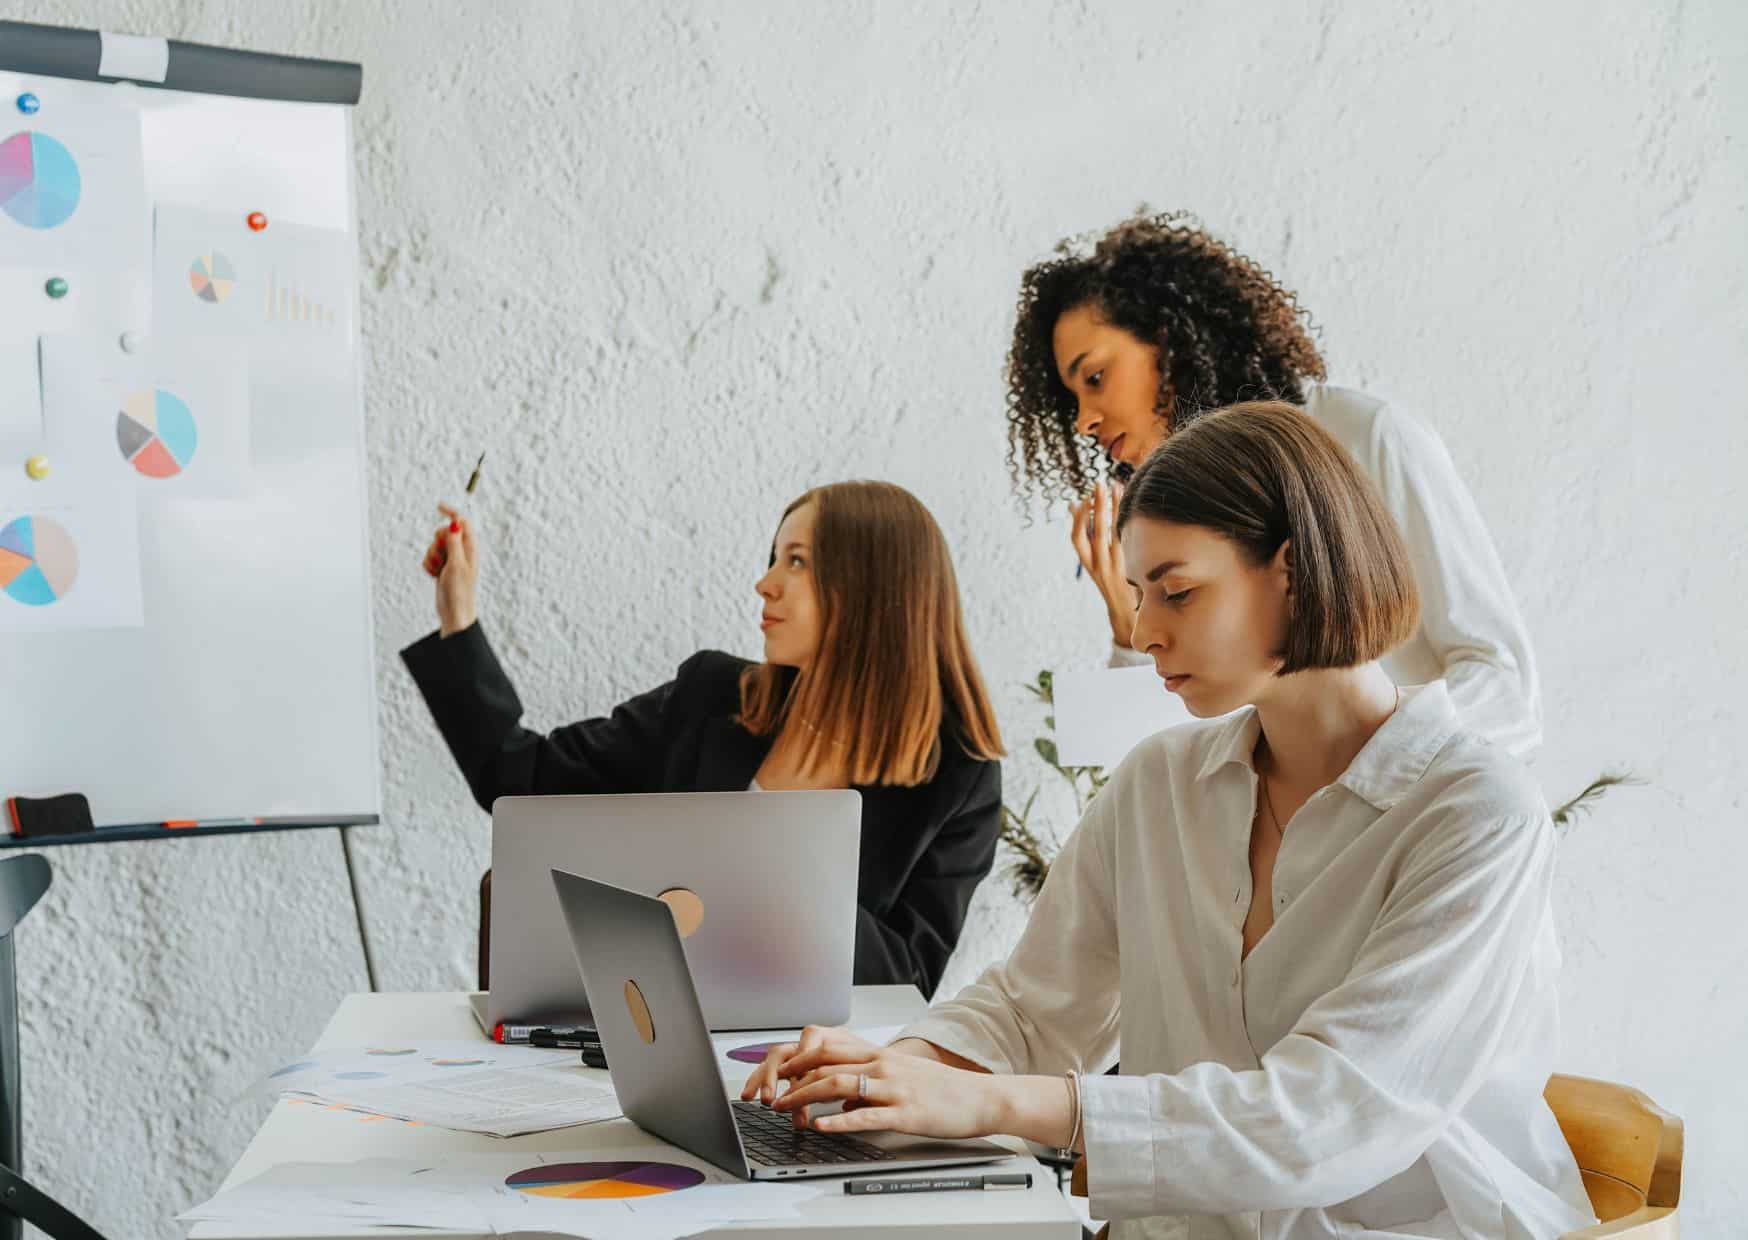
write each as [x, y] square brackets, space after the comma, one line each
[893, 663]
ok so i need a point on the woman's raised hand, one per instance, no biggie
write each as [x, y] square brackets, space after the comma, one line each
[1094, 535]
[453, 561]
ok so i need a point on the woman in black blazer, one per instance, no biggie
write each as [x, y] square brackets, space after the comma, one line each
[868, 683]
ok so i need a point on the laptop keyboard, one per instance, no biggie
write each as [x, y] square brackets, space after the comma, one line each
[771, 1137]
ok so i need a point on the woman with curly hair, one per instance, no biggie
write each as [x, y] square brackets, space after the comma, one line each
[1117, 348]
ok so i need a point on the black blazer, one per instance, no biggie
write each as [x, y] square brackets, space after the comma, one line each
[924, 849]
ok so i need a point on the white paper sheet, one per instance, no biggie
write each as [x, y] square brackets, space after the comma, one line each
[476, 1193]
[135, 56]
[404, 1063]
[502, 1091]
[1101, 715]
[285, 290]
[103, 306]
[69, 555]
[170, 420]
[72, 181]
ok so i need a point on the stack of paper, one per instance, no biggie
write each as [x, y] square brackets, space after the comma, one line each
[502, 1091]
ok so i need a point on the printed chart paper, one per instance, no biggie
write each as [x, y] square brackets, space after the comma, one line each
[72, 179]
[165, 421]
[285, 290]
[69, 556]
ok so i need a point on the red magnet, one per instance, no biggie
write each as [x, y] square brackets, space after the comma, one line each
[257, 220]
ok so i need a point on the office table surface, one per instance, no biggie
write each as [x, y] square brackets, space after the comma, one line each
[293, 1133]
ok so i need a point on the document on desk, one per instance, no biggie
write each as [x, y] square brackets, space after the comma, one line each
[502, 1091]
[478, 1193]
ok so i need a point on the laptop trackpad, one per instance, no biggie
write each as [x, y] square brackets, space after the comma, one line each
[904, 1146]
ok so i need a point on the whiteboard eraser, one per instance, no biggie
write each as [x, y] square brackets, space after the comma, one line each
[60, 815]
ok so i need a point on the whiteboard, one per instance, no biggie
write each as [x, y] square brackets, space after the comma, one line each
[246, 686]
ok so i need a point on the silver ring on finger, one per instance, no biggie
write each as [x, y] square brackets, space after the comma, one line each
[862, 1086]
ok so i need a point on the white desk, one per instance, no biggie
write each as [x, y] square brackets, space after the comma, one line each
[294, 1133]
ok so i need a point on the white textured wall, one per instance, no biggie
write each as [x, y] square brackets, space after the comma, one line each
[673, 264]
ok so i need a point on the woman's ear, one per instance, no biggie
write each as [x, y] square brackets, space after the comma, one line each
[1283, 565]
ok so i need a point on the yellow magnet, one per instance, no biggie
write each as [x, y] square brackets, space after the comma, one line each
[37, 467]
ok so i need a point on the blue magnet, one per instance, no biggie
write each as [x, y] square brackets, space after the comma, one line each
[28, 103]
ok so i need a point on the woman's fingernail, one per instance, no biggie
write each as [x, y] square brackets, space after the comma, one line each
[455, 527]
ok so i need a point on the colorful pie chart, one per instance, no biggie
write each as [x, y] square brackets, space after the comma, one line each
[39, 562]
[39, 180]
[604, 1179]
[212, 277]
[156, 433]
[752, 1054]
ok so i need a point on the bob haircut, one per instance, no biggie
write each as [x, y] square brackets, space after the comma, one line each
[894, 670]
[1262, 474]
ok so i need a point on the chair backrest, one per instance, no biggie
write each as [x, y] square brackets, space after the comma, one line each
[1627, 1147]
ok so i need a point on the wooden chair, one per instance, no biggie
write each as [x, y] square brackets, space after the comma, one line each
[1628, 1150]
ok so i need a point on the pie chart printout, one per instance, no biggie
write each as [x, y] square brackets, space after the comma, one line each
[156, 433]
[604, 1179]
[212, 277]
[39, 562]
[39, 180]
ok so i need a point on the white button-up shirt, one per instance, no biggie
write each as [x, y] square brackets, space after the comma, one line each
[1375, 1067]
[1470, 633]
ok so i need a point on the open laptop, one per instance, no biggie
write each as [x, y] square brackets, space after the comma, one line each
[761, 960]
[664, 1066]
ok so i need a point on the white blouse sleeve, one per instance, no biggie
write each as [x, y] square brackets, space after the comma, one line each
[1052, 1005]
[1468, 616]
[1372, 1072]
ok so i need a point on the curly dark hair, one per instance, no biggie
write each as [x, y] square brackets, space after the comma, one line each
[1225, 328]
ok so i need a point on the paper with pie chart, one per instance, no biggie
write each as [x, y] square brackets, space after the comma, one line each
[171, 420]
[69, 557]
[641, 1190]
[285, 289]
[72, 179]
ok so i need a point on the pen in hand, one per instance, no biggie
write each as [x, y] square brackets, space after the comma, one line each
[440, 554]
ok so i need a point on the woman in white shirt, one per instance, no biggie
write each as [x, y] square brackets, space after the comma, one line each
[1115, 349]
[1318, 926]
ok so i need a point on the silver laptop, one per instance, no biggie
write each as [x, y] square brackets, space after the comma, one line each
[664, 1067]
[766, 953]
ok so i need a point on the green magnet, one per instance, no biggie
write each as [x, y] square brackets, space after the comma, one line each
[56, 288]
